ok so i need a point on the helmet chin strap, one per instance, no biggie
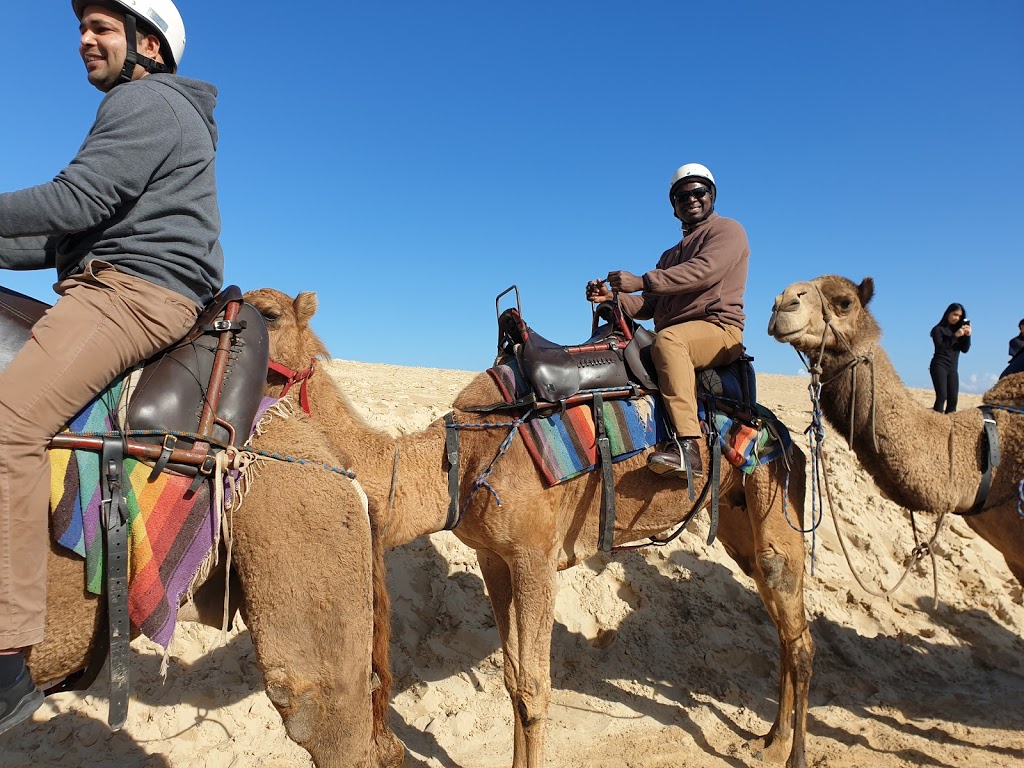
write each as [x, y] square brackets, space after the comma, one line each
[133, 57]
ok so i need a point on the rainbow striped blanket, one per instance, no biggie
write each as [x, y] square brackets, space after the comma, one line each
[563, 445]
[172, 533]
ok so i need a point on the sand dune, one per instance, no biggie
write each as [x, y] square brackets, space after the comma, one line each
[662, 657]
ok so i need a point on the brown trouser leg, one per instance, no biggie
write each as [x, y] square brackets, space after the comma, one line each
[681, 349]
[103, 323]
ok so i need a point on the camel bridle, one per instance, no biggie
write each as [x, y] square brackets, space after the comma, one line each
[296, 377]
[855, 361]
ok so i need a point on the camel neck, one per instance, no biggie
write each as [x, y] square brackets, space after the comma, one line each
[419, 503]
[913, 451]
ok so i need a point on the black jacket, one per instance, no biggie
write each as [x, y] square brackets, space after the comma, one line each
[947, 346]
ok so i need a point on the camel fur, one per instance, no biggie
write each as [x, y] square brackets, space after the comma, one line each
[310, 580]
[924, 460]
[536, 531]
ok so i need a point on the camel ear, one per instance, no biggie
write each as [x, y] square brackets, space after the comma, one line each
[866, 289]
[305, 306]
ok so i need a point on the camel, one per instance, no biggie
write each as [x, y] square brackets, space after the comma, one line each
[305, 560]
[536, 530]
[829, 317]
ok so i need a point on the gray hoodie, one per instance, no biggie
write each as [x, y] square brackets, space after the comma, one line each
[140, 194]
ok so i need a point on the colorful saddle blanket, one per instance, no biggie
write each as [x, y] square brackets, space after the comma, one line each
[173, 534]
[563, 445]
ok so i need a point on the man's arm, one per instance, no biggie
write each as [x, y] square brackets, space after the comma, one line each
[25, 253]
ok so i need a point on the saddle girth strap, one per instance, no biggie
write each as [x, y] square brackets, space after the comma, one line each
[115, 526]
[606, 536]
[990, 451]
[451, 450]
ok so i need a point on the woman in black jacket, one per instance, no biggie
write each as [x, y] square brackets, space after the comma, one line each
[951, 336]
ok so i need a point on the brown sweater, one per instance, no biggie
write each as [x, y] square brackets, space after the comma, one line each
[701, 278]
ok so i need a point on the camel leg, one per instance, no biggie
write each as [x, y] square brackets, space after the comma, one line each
[498, 580]
[303, 551]
[523, 598]
[771, 551]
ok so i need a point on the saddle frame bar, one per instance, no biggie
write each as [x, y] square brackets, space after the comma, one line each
[220, 366]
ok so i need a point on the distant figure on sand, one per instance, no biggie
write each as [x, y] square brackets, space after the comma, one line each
[951, 336]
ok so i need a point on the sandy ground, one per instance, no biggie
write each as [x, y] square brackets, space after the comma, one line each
[660, 658]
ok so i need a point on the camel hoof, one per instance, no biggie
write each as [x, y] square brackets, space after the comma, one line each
[390, 750]
[774, 751]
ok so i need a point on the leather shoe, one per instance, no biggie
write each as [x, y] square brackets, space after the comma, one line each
[667, 461]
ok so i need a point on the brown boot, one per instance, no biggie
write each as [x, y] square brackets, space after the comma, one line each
[668, 462]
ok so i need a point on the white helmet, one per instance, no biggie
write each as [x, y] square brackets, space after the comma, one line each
[161, 15]
[691, 171]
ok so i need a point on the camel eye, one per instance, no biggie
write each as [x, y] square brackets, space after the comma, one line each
[271, 316]
[845, 304]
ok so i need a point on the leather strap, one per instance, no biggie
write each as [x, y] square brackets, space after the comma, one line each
[115, 525]
[170, 441]
[990, 451]
[451, 449]
[716, 485]
[606, 536]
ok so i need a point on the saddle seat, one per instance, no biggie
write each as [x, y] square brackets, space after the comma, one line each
[187, 389]
[617, 357]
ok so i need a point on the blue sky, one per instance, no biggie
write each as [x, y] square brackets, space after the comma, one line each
[410, 161]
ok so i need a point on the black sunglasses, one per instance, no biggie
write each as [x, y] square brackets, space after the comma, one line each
[697, 193]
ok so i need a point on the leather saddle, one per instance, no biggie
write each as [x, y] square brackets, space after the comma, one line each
[203, 391]
[617, 356]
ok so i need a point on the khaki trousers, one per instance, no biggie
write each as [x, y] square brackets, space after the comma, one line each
[679, 351]
[103, 323]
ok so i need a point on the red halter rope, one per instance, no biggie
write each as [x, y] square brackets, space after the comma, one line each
[296, 377]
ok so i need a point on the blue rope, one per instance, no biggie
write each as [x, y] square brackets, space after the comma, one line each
[481, 479]
[141, 433]
[304, 462]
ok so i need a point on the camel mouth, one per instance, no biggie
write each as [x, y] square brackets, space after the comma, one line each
[786, 337]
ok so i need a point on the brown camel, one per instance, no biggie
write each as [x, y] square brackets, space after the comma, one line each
[921, 459]
[538, 530]
[309, 578]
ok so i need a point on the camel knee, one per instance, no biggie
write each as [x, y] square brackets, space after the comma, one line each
[777, 572]
[531, 708]
[298, 708]
[802, 657]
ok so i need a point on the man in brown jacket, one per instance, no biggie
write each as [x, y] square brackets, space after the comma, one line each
[695, 296]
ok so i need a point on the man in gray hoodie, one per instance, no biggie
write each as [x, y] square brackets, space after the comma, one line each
[131, 227]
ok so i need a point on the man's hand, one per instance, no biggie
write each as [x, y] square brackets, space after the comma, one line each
[597, 292]
[625, 282]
